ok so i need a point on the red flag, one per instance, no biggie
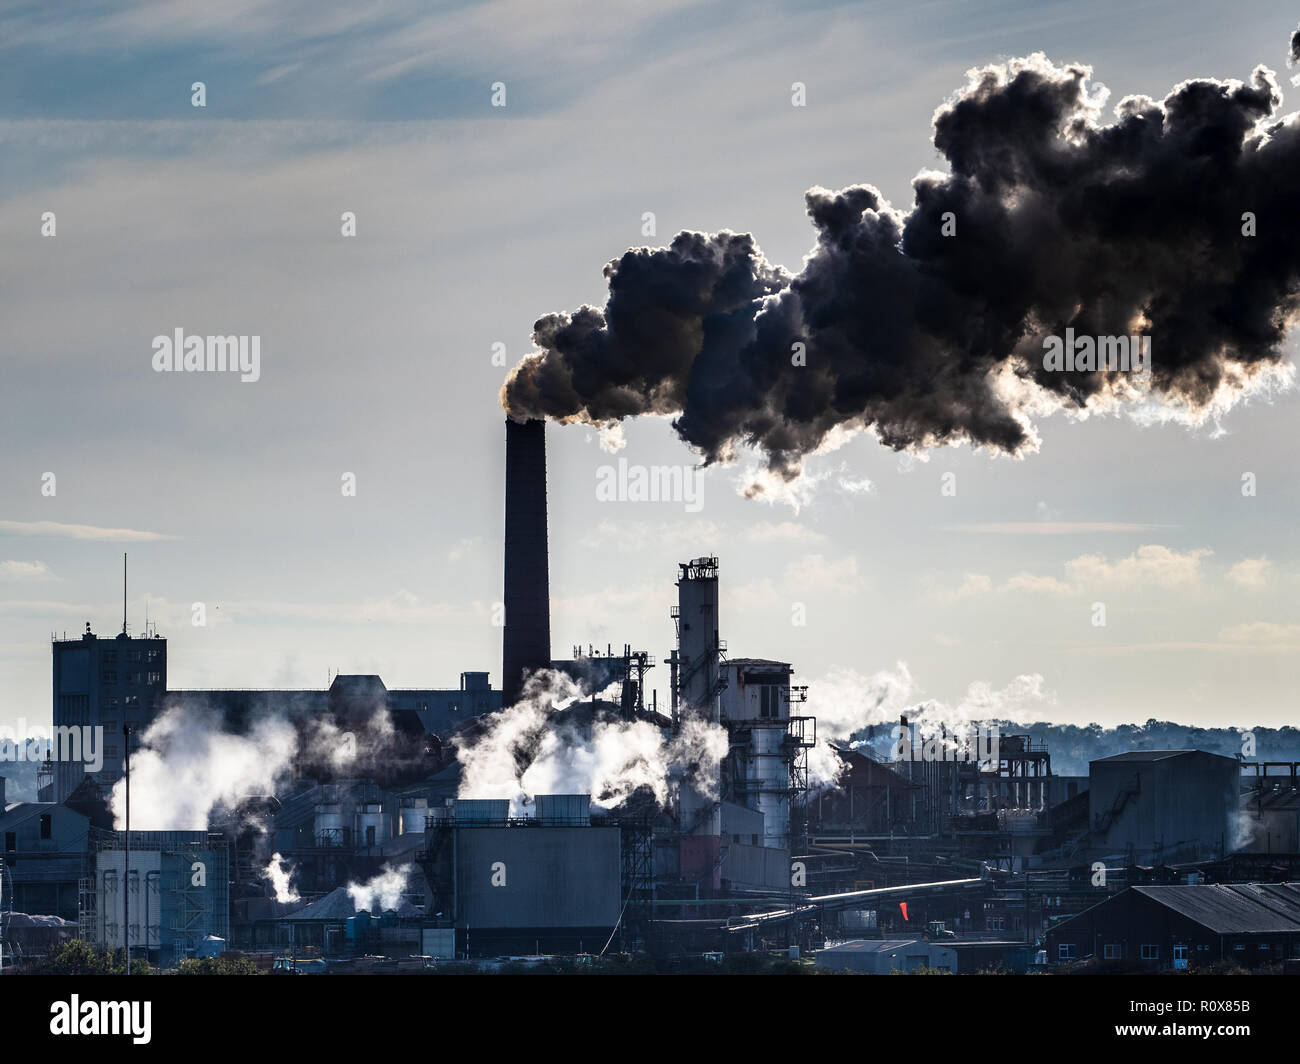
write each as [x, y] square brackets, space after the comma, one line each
[903, 905]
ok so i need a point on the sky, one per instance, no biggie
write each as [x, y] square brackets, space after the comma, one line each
[380, 356]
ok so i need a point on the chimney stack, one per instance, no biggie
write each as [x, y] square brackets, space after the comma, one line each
[526, 643]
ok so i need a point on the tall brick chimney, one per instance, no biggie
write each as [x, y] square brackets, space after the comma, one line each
[526, 642]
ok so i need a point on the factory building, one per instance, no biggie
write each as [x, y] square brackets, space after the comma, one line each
[108, 683]
[872, 800]
[1164, 805]
[1270, 810]
[112, 683]
[887, 956]
[1174, 928]
[738, 857]
[178, 889]
[42, 847]
[555, 882]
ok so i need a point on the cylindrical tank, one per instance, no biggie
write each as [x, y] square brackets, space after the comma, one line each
[771, 772]
[371, 824]
[413, 812]
[329, 824]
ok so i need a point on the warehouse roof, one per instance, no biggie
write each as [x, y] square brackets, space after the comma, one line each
[1145, 755]
[1233, 908]
[873, 945]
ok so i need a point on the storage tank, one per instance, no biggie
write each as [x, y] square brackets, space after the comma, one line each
[371, 824]
[329, 824]
[412, 815]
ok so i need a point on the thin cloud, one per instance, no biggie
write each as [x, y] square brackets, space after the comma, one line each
[14, 570]
[58, 530]
[1052, 528]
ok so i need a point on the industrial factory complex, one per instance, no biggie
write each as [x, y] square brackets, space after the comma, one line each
[956, 852]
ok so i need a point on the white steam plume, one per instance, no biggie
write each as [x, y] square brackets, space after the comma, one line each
[280, 876]
[383, 892]
[846, 701]
[528, 749]
[187, 766]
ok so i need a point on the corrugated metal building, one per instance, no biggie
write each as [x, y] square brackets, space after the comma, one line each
[179, 893]
[1179, 927]
[552, 883]
[1159, 806]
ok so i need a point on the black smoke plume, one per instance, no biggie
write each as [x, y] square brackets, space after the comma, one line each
[1133, 227]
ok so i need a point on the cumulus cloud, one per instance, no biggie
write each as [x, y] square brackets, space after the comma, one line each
[1251, 573]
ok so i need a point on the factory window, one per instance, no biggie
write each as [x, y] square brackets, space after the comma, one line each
[110, 751]
[1150, 953]
[108, 676]
[131, 700]
[1065, 951]
[133, 678]
[1112, 951]
[370, 836]
[110, 703]
[133, 656]
[154, 654]
[155, 677]
[47, 826]
[110, 656]
[110, 726]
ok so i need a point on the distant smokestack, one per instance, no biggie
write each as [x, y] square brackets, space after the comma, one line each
[526, 643]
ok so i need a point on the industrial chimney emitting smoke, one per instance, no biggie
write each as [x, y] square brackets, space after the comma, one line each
[526, 644]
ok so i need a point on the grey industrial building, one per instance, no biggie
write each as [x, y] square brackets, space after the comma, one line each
[1164, 805]
[1180, 926]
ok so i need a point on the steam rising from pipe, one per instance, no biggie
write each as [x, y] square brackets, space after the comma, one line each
[280, 875]
[925, 327]
[189, 765]
[536, 747]
[383, 892]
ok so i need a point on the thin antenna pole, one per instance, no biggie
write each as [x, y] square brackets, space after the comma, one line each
[124, 592]
[126, 852]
